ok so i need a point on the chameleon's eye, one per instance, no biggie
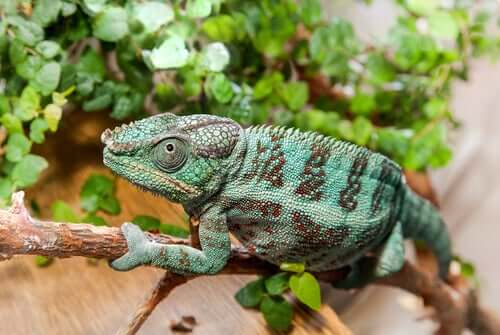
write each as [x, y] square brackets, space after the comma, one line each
[170, 154]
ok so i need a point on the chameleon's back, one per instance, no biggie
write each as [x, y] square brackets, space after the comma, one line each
[327, 201]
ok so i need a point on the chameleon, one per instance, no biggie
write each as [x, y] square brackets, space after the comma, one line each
[288, 196]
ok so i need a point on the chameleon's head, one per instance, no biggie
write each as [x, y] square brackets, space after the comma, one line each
[183, 158]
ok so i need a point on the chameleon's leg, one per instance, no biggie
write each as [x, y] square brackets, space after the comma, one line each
[389, 260]
[214, 240]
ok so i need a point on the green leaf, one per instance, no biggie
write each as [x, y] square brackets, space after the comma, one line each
[215, 57]
[6, 188]
[220, 28]
[59, 99]
[146, 222]
[306, 289]
[293, 267]
[29, 104]
[95, 187]
[467, 270]
[110, 205]
[52, 114]
[92, 64]
[43, 261]
[198, 8]
[17, 52]
[63, 212]
[111, 24]
[90, 202]
[98, 103]
[173, 230]
[379, 70]
[251, 294]
[26, 172]
[422, 7]
[98, 184]
[153, 15]
[295, 94]
[26, 31]
[92, 7]
[95, 220]
[172, 53]
[48, 49]
[443, 25]
[17, 147]
[428, 148]
[122, 108]
[30, 67]
[333, 46]
[4, 104]
[393, 141]
[68, 9]
[38, 127]
[362, 104]
[191, 84]
[46, 11]
[277, 311]
[11, 123]
[435, 107]
[318, 120]
[277, 284]
[220, 87]
[362, 130]
[265, 86]
[47, 78]
[311, 12]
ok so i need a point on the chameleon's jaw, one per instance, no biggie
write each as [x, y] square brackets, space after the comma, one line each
[147, 177]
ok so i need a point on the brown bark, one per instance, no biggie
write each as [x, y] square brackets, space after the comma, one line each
[455, 303]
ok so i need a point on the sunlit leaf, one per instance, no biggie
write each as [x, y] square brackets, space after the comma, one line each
[306, 288]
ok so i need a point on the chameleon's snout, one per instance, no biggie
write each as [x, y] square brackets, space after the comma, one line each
[116, 143]
[106, 136]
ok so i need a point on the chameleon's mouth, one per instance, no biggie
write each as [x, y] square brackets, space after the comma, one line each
[148, 177]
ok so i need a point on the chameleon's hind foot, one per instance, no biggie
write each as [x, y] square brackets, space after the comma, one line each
[361, 274]
[137, 254]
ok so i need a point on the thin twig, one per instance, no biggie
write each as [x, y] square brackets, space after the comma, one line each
[167, 284]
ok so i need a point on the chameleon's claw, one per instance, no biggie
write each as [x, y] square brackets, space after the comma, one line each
[137, 244]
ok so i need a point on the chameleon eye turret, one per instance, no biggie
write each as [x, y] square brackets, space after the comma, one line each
[288, 196]
[170, 154]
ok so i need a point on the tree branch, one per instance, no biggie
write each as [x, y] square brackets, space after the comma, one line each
[455, 303]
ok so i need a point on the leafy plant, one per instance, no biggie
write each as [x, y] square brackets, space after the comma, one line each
[228, 58]
[267, 294]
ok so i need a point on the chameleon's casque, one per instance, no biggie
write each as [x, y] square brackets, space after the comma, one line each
[288, 196]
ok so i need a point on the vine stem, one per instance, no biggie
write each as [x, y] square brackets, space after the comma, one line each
[455, 302]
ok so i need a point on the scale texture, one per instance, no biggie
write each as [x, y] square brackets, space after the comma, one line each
[288, 196]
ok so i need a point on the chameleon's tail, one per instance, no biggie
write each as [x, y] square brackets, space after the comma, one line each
[421, 221]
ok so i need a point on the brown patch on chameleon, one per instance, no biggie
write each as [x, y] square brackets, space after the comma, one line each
[314, 174]
[347, 199]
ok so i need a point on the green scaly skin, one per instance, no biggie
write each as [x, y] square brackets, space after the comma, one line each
[288, 196]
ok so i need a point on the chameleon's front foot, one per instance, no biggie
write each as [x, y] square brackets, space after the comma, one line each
[138, 246]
